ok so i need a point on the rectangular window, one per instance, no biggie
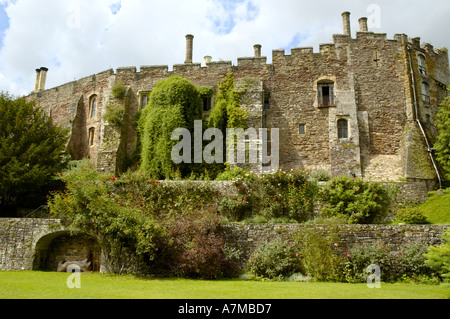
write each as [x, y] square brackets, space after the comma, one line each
[206, 103]
[302, 129]
[342, 128]
[266, 101]
[326, 94]
[91, 136]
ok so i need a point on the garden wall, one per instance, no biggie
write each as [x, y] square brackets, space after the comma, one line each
[247, 237]
[22, 241]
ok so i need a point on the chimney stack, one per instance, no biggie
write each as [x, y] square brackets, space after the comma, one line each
[346, 20]
[42, 79]
[189, 47]
[257, 48]
[363, 25]
[37, 79]
[207, 59]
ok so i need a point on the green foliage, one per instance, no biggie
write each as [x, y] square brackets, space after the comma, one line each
[227, 111]
[174, 103]
[438, 257]
[167, 228]
[405, 262]
[320, 254]
[31, 149]
[282, 195]
[118, 90]
[115, 114]
[355, 199]
[275, 259]
[88, 206]
[442, 144]
[411, 215]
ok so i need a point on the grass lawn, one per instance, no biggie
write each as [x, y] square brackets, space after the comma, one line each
[52, 285]
[437, 208]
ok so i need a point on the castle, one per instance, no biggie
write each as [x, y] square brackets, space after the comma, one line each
[363, 105]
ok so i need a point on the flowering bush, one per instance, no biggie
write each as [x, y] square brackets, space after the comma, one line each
[359, 201]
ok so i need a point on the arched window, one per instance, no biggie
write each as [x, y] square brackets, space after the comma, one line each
[342, 128]
[325, 91]
[425, 93]
[422, 64]
[93, 106]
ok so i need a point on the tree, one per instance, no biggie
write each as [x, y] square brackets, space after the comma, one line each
[442, 144]
[31, 149]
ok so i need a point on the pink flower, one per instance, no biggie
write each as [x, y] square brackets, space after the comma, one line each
[348, 255]
[335, 244]
[296, 255]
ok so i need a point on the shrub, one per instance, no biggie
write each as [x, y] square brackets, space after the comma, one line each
[407, 262]
[275, 259]
[194, 247]
[320, 254]
[118, 90]
[438, 257]
[115, 114]
[357, 200]
[411, 215]
[288, 196]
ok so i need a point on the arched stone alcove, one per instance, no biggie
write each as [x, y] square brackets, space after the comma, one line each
[61, 246]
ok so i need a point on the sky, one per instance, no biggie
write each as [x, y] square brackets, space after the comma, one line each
[78, 38]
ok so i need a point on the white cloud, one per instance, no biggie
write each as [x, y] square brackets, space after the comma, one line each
[76, 38]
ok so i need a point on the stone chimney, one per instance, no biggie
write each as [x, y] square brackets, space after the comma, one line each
[189, 47]
[207, 59]
[257, 48]
[363, 25]
[346, 20]
[42, 79]
[37, 79]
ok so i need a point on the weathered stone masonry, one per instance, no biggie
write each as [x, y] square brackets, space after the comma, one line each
[377, 89]
[24, 241]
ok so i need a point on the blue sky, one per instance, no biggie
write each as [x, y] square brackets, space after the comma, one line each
[77, 38]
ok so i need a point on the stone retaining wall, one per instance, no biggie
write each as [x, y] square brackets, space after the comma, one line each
[23, 240]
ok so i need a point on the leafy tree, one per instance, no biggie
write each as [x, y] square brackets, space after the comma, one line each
[442, 144]
[30, 153]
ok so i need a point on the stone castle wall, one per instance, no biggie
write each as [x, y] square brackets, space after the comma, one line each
[377, 89]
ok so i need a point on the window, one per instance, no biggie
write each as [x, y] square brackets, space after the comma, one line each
[302, 129]
[425, 93]
[206, 103]
[326, 94]
[93, 106]
[144, 98]
[342, 128]
[266, 101]
[144, 101]
[422, 64]
[91, 136]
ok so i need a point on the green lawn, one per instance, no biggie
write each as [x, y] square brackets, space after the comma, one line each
[437, 208]
[44, 285]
